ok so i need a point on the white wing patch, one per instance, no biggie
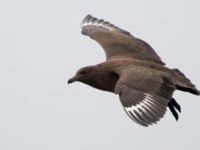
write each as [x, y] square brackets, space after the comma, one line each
[89, 20]
[146, 112]
[92, 21]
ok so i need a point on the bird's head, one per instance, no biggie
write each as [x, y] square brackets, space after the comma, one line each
[84, 74]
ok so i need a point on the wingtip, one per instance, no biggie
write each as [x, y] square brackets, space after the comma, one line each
[91, 20]
[88, 16]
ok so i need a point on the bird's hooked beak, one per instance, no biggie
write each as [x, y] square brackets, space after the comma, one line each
[71, 80]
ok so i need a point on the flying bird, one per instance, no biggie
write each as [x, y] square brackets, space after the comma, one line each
[134, 71]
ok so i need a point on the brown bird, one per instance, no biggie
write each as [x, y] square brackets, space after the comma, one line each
[134, 71]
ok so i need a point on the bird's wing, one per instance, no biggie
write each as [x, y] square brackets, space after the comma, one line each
[144, 96]
[116, 41]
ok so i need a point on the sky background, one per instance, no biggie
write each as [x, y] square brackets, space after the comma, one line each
[41, 47]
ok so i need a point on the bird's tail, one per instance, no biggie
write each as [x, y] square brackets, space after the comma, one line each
[183, 83]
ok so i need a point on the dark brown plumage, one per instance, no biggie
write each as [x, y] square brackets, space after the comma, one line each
[134, 71]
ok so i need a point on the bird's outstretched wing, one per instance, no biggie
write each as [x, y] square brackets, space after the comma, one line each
[144, 97]
[116, 41]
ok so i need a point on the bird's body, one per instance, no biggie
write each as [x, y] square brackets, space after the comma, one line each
[134, 71]
[107, 72]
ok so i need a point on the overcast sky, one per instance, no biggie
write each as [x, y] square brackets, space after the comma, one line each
[41, 47]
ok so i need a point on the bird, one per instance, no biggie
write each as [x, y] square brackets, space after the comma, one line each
[134, 71]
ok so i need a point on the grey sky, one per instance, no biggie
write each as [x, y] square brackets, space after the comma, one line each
[41, 47]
